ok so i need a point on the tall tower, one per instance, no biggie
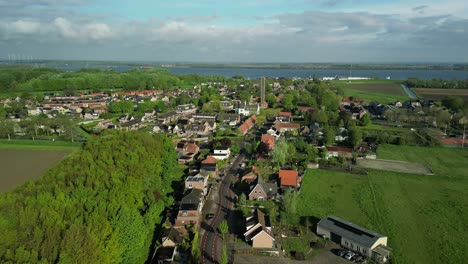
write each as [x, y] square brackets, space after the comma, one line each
[262, 92]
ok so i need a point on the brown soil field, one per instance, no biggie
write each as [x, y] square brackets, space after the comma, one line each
[387, 88]
[437, 94]
[19, 166]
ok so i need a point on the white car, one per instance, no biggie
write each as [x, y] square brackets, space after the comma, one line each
[349, 255]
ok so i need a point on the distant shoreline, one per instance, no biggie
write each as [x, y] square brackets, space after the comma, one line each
[317, 66]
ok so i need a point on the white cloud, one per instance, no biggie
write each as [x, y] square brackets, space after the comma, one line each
[26, 27]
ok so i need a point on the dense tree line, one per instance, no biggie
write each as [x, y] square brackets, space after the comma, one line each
[99, 205]
[437, 83]
[13, 79]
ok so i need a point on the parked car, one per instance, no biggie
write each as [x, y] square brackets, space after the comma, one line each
[357, 258]
[349, 255]
[209, 216]
[341, 252]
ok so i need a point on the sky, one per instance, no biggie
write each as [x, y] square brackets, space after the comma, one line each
[241, 31]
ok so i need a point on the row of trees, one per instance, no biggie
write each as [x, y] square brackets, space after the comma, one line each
[45, 79]
[99, 205]
[437, 83]
[35, 126]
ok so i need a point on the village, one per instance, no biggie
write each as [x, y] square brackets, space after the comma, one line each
[245, 159]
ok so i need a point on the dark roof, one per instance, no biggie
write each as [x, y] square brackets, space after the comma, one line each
[193, 197]
[173, 235]
[269, 188]
[164, 253]
[350, 231]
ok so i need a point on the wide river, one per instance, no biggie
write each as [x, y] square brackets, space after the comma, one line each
[255, 73]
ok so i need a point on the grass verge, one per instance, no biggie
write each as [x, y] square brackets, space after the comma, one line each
[39, 144]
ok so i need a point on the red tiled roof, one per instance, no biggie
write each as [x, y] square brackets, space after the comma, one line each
[288, 177]
[452, 141]
[269, 140]
[191, 147]
[339, 149]
[305, 108]
[285, 114]
[248, 124]
[280, 125]
[209, 160]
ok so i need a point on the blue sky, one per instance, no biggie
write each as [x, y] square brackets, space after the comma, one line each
[237, 31]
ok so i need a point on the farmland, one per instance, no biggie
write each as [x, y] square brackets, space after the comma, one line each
[19, 166]
[438, 94]
[381, 92]
[419, 213]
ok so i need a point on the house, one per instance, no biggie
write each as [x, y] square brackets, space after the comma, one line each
[172, 237]
[210, 166]
[304, 109]
[105, 124]
[168, 117]
[248, 124]
[231, 119]
[351, 101]
[354, 237]
[204, 117]
[258, 230]
[186, 109]
[284, 117]
[263, 191]
[131, 125]
[267, 143]
[190, 208]
[289, 178]
[339, 152]
[164, 255]
[246, 109]
[149, 113]
[285, 126]
[226, 105]
[273, 132]
[199, 181]
[187, 151]
[221, 153]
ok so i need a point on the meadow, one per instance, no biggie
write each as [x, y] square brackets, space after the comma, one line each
[424, 216]
[385, 92]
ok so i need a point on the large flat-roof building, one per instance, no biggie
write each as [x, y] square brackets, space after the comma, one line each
[354, 237]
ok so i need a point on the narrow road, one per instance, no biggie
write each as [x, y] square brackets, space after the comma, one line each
[211, 240]
[409, 92]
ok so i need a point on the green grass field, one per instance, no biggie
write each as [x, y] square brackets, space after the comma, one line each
[425, 217]
[375, 96]
[39, 144]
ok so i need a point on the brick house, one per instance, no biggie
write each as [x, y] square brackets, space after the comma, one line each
[209, 165]
[190, 208]
[263, 191]
[259, 230]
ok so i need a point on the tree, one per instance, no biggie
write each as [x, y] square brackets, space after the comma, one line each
[196, 252]
[223, 228]
[453, 102]
[355, 136]
[280, 153]
[442, 118]
[290, 202]
[365, 120]
[224, 256]
[287, 101]
[6, 128]
[271, 100]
